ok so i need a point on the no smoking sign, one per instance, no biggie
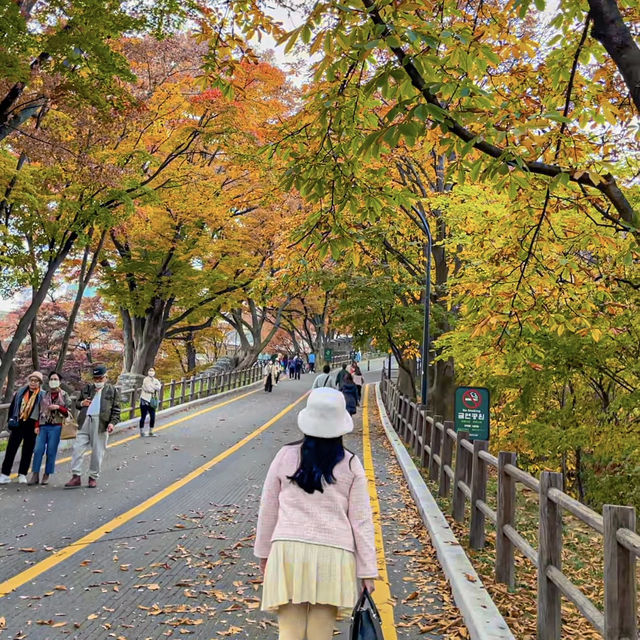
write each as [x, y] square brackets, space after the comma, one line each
[472, 412]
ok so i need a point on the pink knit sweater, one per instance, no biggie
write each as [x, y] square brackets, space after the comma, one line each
[338, 517]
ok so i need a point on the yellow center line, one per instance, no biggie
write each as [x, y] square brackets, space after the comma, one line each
[382, 594]
[172, 423]
[56, 558]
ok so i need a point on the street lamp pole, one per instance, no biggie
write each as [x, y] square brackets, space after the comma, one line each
[427, 309]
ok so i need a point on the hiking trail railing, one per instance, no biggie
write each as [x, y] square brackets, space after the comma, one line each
[459, 467]
[175, 392]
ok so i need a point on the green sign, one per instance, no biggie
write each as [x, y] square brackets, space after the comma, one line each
[328, 355]
[472, 412]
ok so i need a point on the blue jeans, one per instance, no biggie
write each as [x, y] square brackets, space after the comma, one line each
[49, 439]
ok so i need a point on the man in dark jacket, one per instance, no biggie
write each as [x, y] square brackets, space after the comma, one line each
[341, 374]
[99, 405]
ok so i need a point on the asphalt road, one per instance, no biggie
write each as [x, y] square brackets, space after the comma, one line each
[178, 559]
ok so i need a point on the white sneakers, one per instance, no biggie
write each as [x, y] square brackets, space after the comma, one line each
[22, 479]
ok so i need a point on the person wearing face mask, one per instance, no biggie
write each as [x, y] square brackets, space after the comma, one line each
[54, 408]
[24, 412]
[149, 401]
[99, 405]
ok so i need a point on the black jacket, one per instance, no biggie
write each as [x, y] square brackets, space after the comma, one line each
[350, 392]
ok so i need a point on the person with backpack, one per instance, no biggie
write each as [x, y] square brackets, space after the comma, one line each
[315, 537]
[324, 379]
[350, 392]
[149, 401]
[340, 376]
[24, 413]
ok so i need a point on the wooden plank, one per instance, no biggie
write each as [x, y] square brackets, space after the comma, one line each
[446, 455]
[487, 510]
[620, 596]
[549, 555]
[436, 446]
[478, 492]
[457, 506]
[492, 461]
[505, 562]
[521, 544]
[629, 540]
[580, 511]
[523, 477]
[583, 604]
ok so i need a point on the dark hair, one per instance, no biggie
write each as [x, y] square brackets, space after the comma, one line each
[54, 373]
[326, 369]
[357, 371]
[319, 456]
[348, 378]
[344, 366]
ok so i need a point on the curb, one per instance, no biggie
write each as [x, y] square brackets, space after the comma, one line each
[479, 611]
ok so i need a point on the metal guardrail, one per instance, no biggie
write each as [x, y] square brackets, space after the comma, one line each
[175, 392]
[460, 467]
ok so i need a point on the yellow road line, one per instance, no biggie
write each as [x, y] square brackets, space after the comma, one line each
[171, 424]
[382, 594]
[56, 558]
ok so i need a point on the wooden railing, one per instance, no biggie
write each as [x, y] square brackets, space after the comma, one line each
[459, 467]
[176, 392]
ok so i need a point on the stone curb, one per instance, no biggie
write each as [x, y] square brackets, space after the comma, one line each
[480, 614]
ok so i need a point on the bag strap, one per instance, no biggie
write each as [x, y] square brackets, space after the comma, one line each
[326, 379]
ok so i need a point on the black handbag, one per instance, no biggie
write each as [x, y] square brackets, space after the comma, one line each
[365, 619]
[13, 423]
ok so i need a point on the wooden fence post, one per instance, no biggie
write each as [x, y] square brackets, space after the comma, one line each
[192, 387]
[172, 394]
[620, 598]
[435, 447]
[415, 429]
[132, 408]
[457, 508]
[478, 492]
[183, 384]
[446, 455]
[549, 554]
[423, 434]
[161, 396]
[505, 564]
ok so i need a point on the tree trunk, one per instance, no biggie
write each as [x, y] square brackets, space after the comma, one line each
[33, 338]
[127, 330]
[407, 373]
[444, 389]
[614, 35]
[38, 298]
[86, 272]
[190, 347]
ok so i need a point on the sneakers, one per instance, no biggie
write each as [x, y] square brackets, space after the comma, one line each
[45, 478]
[4, 479]
[22, 479]
[35, 479]
[142, 433]
[92, 484]
[76, 481]
[153, 435]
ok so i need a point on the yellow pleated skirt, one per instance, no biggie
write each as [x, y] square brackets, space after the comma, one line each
[300, 572]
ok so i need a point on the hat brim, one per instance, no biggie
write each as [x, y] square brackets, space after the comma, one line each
[310, 426]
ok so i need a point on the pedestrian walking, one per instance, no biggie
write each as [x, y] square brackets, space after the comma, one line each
[324, 379]
[285, 364]
[312, 362]
[350, 392]
[298, 366]
[315, 538]
[292, 368]
[341, 374]
[358, 380]
[54, 410]
[268, 371]
[277, 369]
[24, 412]
[149, 402]
[99, 405]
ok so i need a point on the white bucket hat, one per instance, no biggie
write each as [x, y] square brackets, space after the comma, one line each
[325, 415]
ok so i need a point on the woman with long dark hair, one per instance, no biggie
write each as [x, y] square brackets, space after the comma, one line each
[350, 393]
[315, 535]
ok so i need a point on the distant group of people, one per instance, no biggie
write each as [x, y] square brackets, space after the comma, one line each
[349, 382]
[37, 417]
[291, 366]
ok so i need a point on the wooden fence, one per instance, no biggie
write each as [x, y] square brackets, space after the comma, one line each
[460, 467]
[177, 392]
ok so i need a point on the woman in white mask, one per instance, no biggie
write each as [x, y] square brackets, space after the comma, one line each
[149, 401]
[54, 408]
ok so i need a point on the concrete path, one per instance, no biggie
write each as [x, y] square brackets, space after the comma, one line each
[163, 547]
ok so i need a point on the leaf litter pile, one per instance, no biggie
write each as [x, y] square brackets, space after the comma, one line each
[424, 605]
